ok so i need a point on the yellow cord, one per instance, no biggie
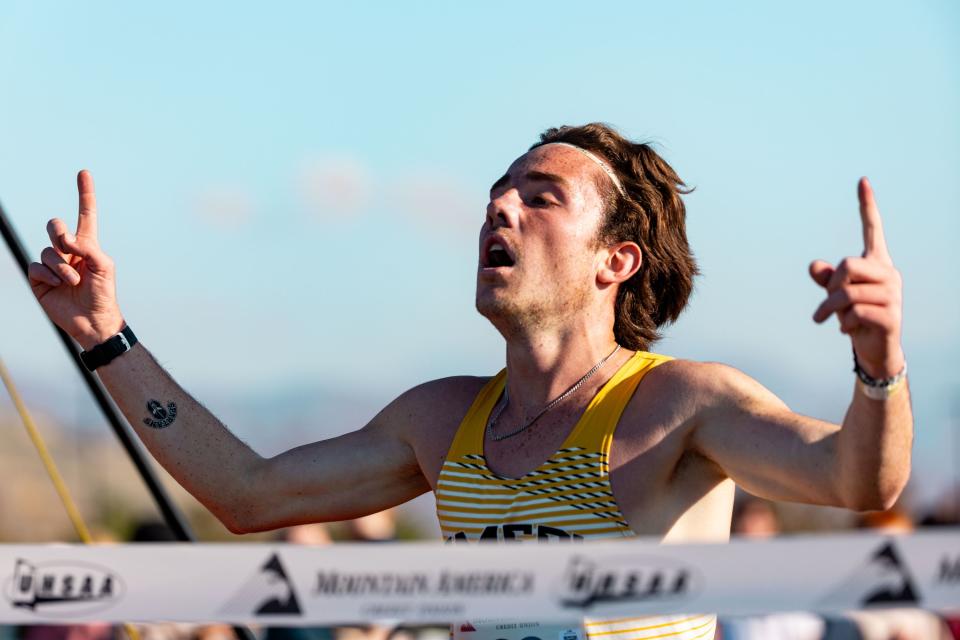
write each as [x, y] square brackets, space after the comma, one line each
[72, 512]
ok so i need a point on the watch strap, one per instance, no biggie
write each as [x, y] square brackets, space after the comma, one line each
[109, 349]
[878, 388]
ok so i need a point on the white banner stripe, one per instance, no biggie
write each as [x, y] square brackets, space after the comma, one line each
[468, 494]
[492, 507]
[551, 507]
[439, 583]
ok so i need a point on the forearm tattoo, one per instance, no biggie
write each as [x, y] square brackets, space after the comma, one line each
[162, 417]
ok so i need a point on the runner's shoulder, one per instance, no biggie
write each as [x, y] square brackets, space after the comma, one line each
[430, 414]
[678, 395]
[438, 404]
[454, 390]
[697, 384]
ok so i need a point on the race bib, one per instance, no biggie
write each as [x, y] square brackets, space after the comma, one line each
[517, 630]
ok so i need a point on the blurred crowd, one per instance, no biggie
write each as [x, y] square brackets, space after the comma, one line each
[752, 518]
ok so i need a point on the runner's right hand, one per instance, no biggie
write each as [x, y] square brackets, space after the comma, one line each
[74, 282]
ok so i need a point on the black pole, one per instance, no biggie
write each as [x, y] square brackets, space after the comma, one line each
[171, 515]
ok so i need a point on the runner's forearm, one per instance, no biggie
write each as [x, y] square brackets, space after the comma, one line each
[874, 450]
[185, 438]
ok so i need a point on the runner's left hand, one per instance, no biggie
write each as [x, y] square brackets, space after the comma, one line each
[865, 293]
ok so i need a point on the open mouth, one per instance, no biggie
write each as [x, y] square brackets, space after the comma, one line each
[497, 256]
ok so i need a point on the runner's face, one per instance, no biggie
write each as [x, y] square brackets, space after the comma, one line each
[538, 251]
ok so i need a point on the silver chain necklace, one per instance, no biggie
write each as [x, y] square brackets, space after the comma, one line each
[550, 405]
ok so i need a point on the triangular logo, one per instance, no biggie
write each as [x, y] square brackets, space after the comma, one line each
[882, 581]
[267, 592]
[897, 587]
[466, 627]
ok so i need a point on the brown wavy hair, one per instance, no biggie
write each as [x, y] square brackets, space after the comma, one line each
[653, 215]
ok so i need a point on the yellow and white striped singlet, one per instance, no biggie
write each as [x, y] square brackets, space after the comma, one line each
[568, 497]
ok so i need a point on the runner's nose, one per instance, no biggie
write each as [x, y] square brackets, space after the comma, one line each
[502, 211]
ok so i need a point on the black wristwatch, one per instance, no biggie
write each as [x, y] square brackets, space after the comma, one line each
[107, 350]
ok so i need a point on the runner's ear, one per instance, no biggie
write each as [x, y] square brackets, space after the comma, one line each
[620, 262]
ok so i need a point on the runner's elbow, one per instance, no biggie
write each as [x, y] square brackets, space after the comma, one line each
[239, 517]
[243, 527]
[891, 489]
[880, 494]
[236, 527]
[245, 508]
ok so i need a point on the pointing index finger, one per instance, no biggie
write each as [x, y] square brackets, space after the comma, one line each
[874, 243]
[87, 218]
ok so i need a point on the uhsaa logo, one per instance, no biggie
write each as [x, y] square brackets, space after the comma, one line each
[268, 592]
[62, 588]
[629, 580]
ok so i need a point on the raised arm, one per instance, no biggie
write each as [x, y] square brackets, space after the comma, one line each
[355, 474]
[772, 452]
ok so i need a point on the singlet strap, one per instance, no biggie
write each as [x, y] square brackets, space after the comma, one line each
[594, 431]
[469, 437]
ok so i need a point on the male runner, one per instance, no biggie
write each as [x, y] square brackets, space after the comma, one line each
[583, 257]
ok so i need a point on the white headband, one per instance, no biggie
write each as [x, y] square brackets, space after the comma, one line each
[600, 163]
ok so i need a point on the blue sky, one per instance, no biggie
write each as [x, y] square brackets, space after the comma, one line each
[292, 193]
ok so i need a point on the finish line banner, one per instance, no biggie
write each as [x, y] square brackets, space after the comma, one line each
[438, 583]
